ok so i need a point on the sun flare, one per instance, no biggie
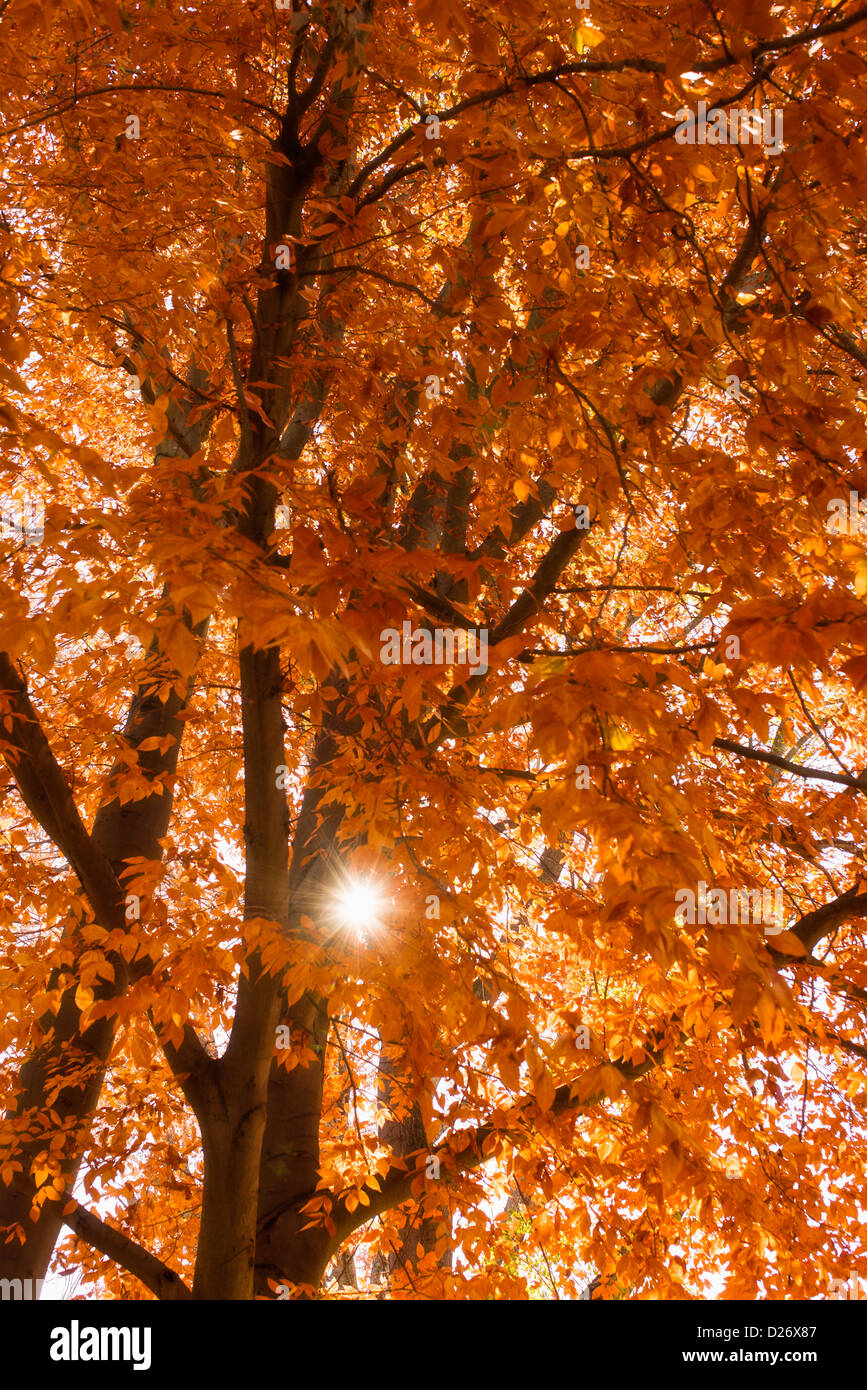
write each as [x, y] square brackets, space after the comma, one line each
[359, 905]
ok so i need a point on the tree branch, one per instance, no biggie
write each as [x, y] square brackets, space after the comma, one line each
[759, 755]
[813, 926]
[396, 1186]
[155, 1275]
[45, 791]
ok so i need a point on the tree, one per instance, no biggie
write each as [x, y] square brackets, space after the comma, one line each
[432, 683]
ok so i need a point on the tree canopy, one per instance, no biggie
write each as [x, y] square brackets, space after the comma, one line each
[433, 674]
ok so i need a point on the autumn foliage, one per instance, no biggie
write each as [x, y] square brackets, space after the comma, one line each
[324, 975]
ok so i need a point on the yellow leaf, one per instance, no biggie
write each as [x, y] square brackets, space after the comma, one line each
[587, 37]
[788, 943]
[611, 1081]
[671, 1165]
[83, 997]
[620, 739]
[545, 1091]
[139, 1049]
[766, 1010]
[179, 645]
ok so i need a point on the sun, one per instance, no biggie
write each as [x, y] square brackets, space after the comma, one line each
[359, 905]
